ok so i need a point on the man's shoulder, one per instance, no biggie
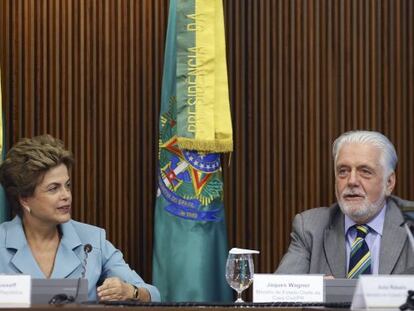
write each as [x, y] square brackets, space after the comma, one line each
[324, 212]
[401, 203]
[320, 217]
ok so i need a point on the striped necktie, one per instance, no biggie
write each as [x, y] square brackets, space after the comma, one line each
[360, 258]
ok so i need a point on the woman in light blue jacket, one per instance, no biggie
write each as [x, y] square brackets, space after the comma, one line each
[43, 241]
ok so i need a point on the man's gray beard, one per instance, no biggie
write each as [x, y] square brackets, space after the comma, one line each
[363, 213]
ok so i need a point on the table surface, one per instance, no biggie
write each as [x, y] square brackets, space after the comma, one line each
[90, 307]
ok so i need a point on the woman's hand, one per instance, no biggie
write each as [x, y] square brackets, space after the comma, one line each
[115, 289]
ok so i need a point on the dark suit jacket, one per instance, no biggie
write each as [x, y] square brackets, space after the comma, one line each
[318, 243]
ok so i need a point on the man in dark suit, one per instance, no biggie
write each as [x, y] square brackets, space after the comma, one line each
[363, 233]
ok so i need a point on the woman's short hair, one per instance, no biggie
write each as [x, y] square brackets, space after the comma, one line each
[26, 164]
[389, 157]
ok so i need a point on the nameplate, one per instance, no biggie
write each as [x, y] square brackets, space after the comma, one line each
[15, 290]
[287, 288]
[375, 291]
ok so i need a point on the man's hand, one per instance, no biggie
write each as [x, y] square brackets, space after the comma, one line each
[115, 289]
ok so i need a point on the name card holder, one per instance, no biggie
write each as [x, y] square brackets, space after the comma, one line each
[287, 288]
[15, 290]
[381, 291]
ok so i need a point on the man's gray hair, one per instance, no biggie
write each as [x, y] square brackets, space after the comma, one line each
[389, 157]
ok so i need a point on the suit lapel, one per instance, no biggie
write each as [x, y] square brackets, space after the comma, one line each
[67, 260]
[22, 259]
[393, 238]
[334, 244]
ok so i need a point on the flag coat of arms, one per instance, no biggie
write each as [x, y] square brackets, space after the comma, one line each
[190, 238]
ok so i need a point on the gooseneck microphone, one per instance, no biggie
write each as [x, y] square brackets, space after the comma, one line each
[60, 299]
[86, 250]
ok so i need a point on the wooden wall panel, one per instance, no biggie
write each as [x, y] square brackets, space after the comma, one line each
[301, 72]
[89, 72]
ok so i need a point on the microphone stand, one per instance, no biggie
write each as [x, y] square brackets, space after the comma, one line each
[409, 304]
[86, 250]
[60, 299]
[409, 226]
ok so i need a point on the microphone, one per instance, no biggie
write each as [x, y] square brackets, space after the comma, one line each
[60, 299]
[409, 227]
[86, 250]
[409, 304]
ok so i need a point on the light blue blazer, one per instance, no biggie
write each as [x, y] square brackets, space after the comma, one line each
[103, 261]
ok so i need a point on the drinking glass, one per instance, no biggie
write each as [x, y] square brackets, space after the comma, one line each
[239, 273]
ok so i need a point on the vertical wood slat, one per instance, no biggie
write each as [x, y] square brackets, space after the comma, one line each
[300, 73]
[89, 72]
[333, 66]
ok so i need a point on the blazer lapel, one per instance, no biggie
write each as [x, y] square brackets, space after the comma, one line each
[393, 238]
[23, 259]
[67, 260]
[334, 245]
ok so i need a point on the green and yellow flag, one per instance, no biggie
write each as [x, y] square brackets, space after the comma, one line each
[190, 238]
[3, 206]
